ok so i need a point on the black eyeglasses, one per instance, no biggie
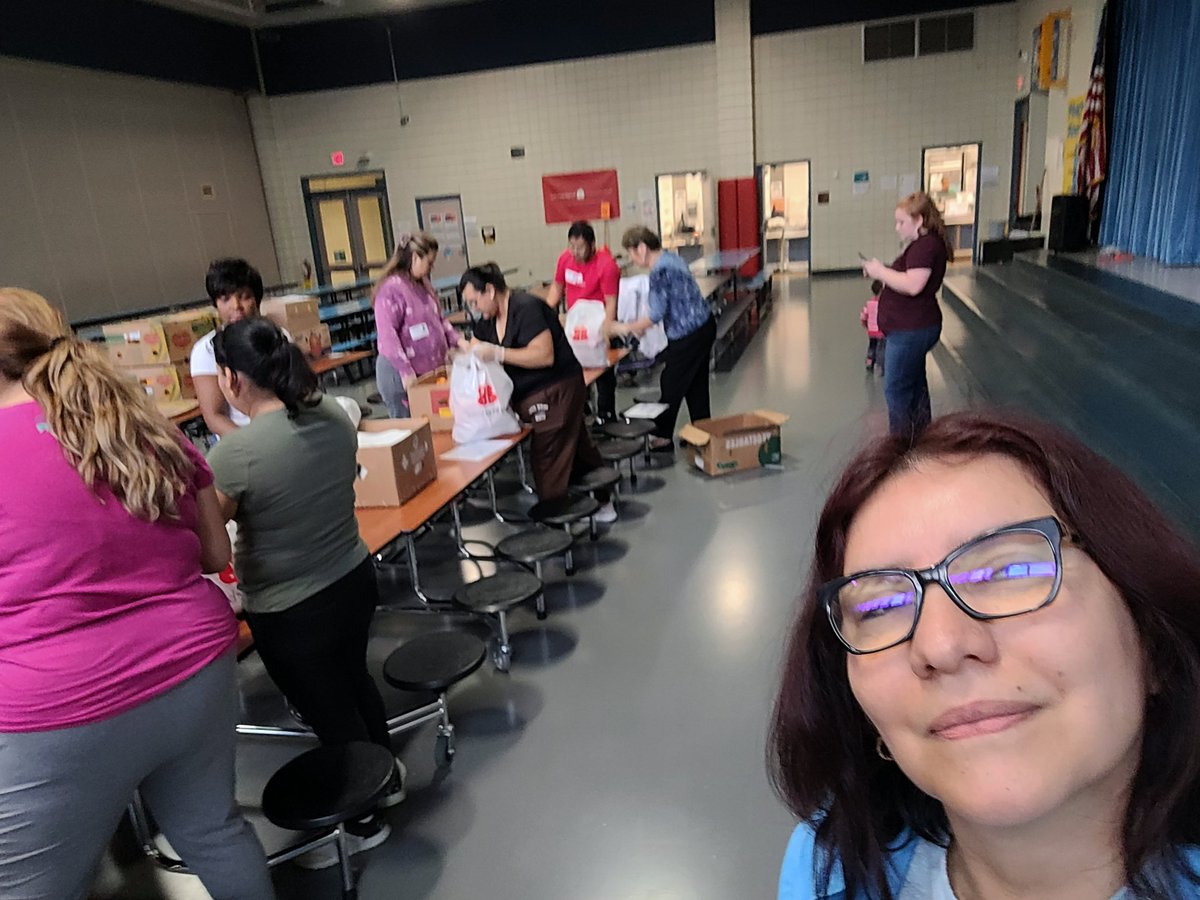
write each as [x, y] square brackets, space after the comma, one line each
[1011, 571]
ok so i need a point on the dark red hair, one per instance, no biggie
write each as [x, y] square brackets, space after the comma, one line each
[821, 750]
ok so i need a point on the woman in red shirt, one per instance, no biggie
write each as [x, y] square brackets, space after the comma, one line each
[909, 315]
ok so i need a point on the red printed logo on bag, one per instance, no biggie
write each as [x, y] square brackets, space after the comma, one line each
[580, 333]
[487, 395]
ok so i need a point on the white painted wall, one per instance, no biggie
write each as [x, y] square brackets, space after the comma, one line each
[100, 188]
[817, 100]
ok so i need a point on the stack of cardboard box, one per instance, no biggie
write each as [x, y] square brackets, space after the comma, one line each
[156, 351]
[300, 317]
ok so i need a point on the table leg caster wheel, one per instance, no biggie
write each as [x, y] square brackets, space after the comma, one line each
[502, 657]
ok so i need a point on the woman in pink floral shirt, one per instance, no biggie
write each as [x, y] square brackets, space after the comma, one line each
[414, 337]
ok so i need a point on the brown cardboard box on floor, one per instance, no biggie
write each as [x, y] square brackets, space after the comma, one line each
[734, 443]
[293, 313]
[183, 329]
[391, 474]
[430, 397]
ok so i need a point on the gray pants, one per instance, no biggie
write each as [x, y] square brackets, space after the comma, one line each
[62, 793]
[391, 388]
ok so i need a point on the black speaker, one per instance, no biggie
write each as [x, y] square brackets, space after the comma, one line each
[1068, 223]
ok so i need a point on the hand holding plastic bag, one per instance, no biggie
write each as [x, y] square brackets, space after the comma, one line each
[480, 394]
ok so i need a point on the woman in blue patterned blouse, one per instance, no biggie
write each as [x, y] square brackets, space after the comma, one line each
[676, 302]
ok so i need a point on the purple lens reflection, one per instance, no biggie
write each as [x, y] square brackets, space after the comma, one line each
[1007, 573]
[891, 601]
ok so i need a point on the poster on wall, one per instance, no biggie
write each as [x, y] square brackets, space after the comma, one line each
[1074, 124]
[580, 195]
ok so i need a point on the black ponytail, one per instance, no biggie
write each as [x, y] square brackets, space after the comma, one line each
[257, 349]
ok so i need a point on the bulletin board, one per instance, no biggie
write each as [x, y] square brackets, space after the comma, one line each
[571, 196]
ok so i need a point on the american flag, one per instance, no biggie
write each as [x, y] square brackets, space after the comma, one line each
[1091, 153]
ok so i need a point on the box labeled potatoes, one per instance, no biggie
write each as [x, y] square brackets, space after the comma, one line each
[735, 443]
[395, 460]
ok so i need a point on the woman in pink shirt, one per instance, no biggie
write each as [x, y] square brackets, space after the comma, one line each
[414, 336]
[116, 654]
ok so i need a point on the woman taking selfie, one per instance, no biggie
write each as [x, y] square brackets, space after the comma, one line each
[992, 689]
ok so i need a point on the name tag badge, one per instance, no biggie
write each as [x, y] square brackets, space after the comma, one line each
[574, 277]
[419, 331]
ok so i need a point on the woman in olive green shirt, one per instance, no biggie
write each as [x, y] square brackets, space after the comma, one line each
[287, 479]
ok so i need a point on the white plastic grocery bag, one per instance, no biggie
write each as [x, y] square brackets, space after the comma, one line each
[585, 331]
[480, 393]
[633, 302]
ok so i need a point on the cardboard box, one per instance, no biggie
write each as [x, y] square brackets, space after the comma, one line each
[313, 341]
[735, 443]
[430, 397]
[136, 342]
[187, 387]
[295, 313]
[161, 383]
[390, 475]
[182, 330]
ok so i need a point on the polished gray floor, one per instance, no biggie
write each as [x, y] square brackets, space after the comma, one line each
[623, 756]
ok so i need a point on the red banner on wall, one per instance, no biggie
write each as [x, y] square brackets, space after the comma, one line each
[581, 195]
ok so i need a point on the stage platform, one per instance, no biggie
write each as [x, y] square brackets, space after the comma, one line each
[1108, 350]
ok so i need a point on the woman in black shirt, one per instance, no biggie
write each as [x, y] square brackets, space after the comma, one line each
[522, 333]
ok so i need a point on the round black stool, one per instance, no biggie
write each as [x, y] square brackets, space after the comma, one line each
[435, 662]
[618, 451]
[633, 429]
[564, 512]
[531, 548]
[497, 595]
[602, 479]
[326, 788]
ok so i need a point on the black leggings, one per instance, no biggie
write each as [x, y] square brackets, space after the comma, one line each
[685, 377]
[316, 653]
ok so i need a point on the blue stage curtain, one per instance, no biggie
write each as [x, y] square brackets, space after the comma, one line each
[1152, 201]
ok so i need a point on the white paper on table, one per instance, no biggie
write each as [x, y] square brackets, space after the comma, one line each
[374, 439]
[476, 450]
[645, 411]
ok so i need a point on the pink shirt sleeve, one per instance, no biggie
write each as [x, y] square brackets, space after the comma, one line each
[560, 269]
[389, 319]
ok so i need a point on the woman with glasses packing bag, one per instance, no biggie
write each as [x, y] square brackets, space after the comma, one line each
[992, 688]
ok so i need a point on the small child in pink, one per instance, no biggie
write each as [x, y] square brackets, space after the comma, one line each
[870, 321]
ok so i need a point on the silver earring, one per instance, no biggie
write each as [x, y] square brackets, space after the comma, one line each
[882, 749]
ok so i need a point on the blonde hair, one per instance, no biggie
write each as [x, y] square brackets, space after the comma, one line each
[408, 247]
[920, 204]
[107, 427]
